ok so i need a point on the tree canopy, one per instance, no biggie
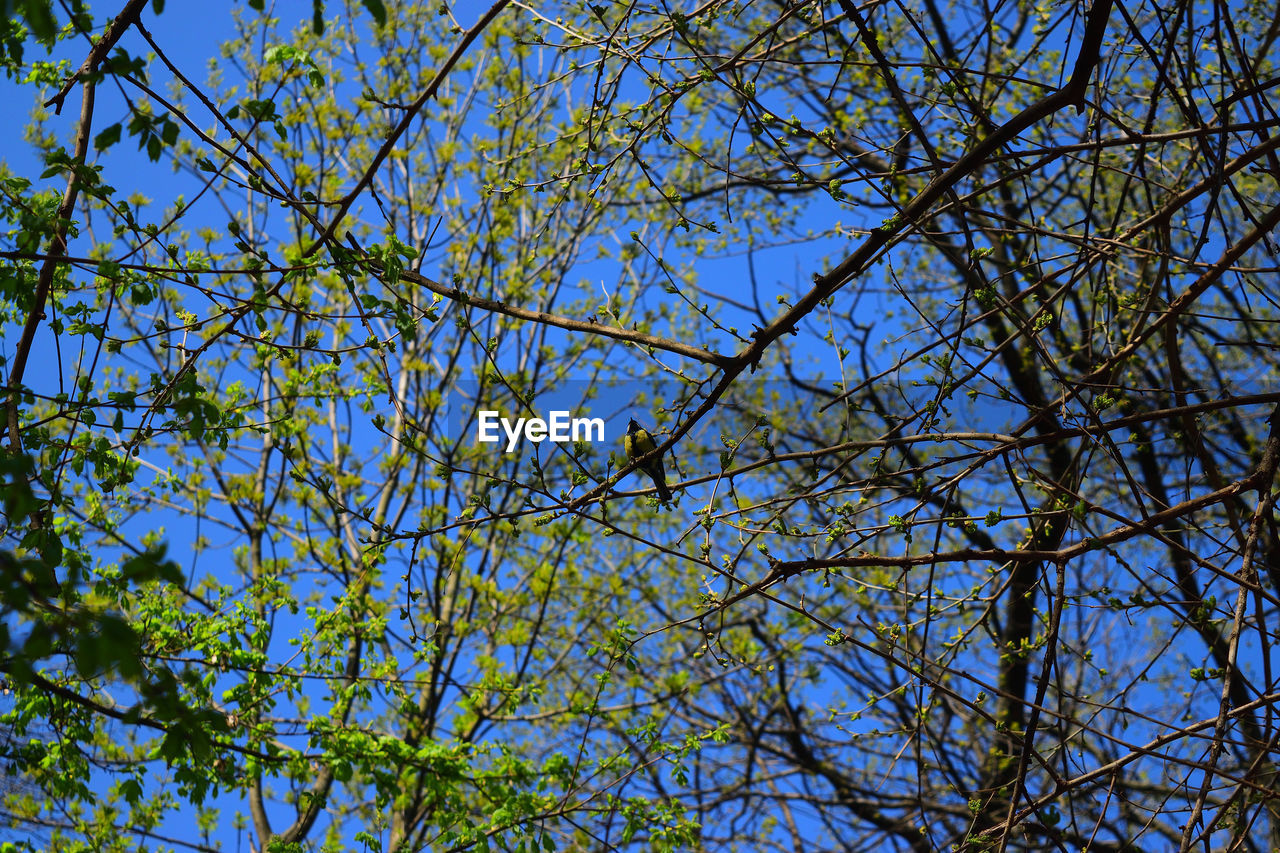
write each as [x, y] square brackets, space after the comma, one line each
[955, 326]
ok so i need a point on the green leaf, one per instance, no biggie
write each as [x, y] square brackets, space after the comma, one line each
[376, 9]
[39, 17]
[39, 642]
[151, 566]
[108, 137]
[131, 790]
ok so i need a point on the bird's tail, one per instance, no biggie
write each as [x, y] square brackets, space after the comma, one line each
[663, 492]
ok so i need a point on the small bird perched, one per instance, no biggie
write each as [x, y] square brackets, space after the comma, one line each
[637, 442]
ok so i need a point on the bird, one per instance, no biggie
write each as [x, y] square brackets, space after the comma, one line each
[637, 442]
